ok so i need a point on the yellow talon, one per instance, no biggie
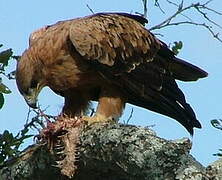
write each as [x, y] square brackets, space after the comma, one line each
[96, 119]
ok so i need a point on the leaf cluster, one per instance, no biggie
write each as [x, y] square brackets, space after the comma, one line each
[5, 57]
[9, 144]
[217, 123]
[177, 46]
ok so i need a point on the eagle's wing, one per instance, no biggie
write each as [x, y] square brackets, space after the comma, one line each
[119, 41]
[115, 40]
[168, 100]
[147, 68]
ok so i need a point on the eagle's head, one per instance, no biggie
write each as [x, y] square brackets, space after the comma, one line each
[29, 79]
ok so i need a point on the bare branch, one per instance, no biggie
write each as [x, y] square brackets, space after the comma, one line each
[157, 4]
[145, 8]
[28, 116]
[92, 112]
[130, 116]
[179, 6]
[214, 11]
[169, 19]
[205, 16]
[201, 9]
[170, 2]
[158, 34]
[207, 2]
[90, 9]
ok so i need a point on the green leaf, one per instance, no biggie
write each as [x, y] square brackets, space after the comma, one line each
[217, 123]
[1, 45]
[178, 45]
[8, 137]
[1, 100]
[5, 56]
[9, 145]
[4, 89]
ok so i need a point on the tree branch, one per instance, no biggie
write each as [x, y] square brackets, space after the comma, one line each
[145, 8]
[199, 8]
[113, 151]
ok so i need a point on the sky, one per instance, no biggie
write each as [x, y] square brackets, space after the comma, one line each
[19, 18]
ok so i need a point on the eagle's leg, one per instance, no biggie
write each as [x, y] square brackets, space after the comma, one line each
[111, 104]
[75, 104]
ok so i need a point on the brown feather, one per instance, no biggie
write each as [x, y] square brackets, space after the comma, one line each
[109, 57]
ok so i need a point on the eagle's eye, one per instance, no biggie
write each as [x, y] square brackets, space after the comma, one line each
[34, 84]
[30, 90]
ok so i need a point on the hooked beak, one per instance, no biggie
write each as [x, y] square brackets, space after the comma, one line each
[31, 101]
[32, 98]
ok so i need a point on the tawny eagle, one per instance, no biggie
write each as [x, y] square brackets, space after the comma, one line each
[110, 58]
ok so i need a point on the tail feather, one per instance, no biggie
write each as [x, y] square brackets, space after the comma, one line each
[153, 86]
[174, 94]
[169, 101]
[165, 105]
[185, 71]
[179, 68]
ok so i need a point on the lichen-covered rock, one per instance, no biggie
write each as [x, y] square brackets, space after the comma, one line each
[116, 151]
[215, 170]
[136, 153]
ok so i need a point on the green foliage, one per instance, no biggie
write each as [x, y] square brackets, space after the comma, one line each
[9, 144]
[3, 90]
[177, 46]
[5, 56]
[1, 100]
[217, 123]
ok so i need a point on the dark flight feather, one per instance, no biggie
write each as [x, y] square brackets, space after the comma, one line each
[108, 50]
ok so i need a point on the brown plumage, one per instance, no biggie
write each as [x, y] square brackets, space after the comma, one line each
[111, 58]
